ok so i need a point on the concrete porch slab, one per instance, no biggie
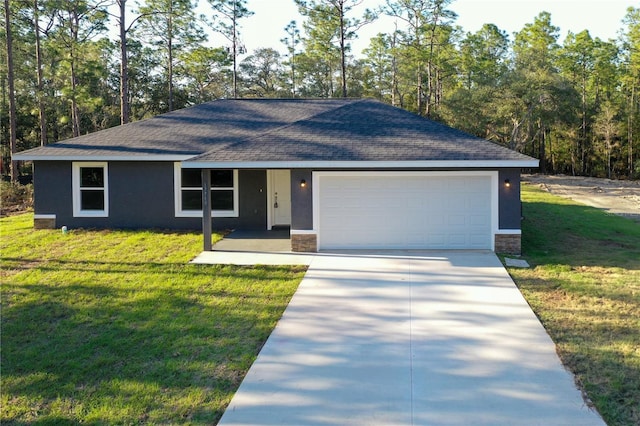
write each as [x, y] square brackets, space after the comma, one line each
[259, 247]
[259, 241]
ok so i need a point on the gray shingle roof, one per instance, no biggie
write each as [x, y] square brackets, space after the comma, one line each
[283, 130]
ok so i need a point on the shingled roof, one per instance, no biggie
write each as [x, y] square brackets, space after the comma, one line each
[285, 133]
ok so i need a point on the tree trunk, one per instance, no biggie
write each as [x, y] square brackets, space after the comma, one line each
[12, 93]
[583, 125]
[343, 60]
[609, 149]
[552, 155]
[234, 43]
[430, 73]
[542, 150]
[124, 66]
[170, 56]
[418, 48]
[630, 132]
[75, 113]
[419, 93]
[40, 79]
[427, 111]
[394, 70]
[330, 76]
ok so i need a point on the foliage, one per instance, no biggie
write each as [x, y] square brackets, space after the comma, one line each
[92, 336]
[330, 22]
[15, 197]
[172, 29]
[573, 102]
[585, 288]
[226, 22]
[264, 74]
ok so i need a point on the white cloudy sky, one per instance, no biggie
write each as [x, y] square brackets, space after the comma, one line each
[601, 17]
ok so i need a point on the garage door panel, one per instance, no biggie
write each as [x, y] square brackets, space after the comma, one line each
[479, 221]
[404, 211]
[477, 240]
[456, 221]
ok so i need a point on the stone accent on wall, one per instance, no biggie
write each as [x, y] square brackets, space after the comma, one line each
[508, 243]
[307, 243]
[44, 222]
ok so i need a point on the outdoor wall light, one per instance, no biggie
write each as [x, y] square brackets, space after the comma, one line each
[303, 183]
[507, 183]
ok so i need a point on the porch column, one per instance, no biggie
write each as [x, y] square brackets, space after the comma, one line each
[206, 208]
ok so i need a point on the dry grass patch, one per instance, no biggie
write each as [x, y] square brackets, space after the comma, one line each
[585, 288]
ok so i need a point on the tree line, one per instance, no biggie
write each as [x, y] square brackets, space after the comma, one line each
[78, 66]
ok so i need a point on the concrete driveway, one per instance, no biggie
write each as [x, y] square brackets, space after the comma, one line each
[408, 338]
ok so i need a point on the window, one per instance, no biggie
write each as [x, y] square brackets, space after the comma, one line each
[90, 190]
[188, 192]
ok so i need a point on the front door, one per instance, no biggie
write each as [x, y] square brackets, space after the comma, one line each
[279, 197]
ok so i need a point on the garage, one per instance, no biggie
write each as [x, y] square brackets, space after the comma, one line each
[405, 210]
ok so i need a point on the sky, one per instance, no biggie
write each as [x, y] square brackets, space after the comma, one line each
[603, 18]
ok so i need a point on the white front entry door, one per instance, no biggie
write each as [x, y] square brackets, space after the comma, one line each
[279, 197]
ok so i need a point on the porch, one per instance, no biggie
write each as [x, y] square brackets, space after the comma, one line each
[254, 247]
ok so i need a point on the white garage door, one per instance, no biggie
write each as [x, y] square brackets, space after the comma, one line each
[397, 211]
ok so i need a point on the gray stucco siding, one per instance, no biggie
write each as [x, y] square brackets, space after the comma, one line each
[141, 196]
[301, 200]
[52, 189]
[509, 204]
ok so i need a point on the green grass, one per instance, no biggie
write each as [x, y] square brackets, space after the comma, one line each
[585, 288]
[115, 327]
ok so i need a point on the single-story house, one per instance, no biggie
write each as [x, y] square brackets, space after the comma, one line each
[341, 173]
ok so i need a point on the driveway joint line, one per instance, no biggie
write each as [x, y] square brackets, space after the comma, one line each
[411, 338]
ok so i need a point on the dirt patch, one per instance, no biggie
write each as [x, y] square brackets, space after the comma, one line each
[621, 197]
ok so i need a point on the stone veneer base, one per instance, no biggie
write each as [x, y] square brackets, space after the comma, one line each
[508, 243]
[44, 223]
[306, 243]
[504, 243]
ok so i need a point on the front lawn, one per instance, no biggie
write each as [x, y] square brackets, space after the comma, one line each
[585, 288]
[116, 327]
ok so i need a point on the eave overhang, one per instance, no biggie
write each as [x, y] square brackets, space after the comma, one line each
[423, 164]
[77, 157]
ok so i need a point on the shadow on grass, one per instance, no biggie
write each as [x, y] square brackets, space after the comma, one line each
[19, 264]
[585, 288]
[595, 337]
[175, 345]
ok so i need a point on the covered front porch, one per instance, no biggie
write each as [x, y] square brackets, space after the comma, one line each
[267, 204]
[276, 240]
[254, 247]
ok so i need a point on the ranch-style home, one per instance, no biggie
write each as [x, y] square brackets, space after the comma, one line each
[340, 173]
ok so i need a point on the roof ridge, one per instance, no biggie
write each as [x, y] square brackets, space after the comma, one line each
[352, 101]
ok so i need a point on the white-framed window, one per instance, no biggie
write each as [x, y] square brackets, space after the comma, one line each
[188, 192]
[90, 189]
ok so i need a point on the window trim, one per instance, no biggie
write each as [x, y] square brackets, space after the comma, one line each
[177, 192]
[77, 204]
